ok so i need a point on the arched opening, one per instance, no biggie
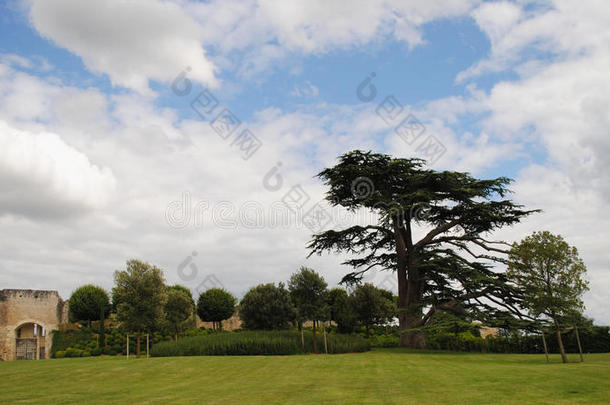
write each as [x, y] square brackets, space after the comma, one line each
[30, 341]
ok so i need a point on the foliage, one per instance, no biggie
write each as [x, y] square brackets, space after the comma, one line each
[372, 306]
[447, 322]
[594, 340]
[178, 308]
[550, 272]
[78, 339]
[441, 271]
[139, 296]
[551, 275]
[384, 341]
[267, 307]
[340, 310]
[256, 343]
[89, 303]
[308, 292]
[215, 305]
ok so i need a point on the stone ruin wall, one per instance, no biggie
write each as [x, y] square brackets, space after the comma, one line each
[20, 307]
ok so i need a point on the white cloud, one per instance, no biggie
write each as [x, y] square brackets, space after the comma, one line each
[307, 90]
[269, 32]
[42, 176]
[132, 42]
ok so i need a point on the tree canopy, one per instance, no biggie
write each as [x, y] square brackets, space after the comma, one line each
[372, 305]
[178, 308]
[267, 306]
[308, 292]
[551, 275]
[215, 305]
[340, 310]
[89, 303]
[449, 268]
[139, 296]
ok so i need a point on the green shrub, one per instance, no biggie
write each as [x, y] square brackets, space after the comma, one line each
[73, 352]
[384, 341]
[76, 339]
[60, 354]
[595, 339]
[96, 352]
[257, 343]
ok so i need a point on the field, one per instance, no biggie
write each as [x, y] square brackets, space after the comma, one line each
[384, 376]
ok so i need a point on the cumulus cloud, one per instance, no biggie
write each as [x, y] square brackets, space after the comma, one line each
[42, 176]
[132, 42]
[268, 32]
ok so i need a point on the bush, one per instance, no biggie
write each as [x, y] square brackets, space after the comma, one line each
[60, 354]
[594, 340]
[257, 343]
[384, 341]
[72, 352]
[76, 339]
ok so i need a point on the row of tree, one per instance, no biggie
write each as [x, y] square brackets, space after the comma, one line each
[143, 303]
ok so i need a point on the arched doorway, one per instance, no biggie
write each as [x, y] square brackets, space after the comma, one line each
[30, 340]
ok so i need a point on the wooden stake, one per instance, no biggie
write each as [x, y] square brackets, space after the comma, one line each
[546, 351]
[147, 345]
[302, 338]
[579, 346]
[325, 344]
[127, 347]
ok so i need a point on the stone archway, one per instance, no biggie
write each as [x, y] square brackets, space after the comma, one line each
[19, 309]
[30, 341]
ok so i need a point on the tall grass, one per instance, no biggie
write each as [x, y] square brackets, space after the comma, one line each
[245, 343]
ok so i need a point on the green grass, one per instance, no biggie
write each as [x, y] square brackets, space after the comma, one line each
[384, 376]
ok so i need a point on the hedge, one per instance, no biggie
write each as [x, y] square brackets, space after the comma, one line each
[258, 343]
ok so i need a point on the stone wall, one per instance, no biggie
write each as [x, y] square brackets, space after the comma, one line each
[21, 309]
[233, 323]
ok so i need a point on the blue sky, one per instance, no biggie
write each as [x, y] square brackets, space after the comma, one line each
[97, 149]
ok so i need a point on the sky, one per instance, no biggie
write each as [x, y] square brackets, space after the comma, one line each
[188, 134]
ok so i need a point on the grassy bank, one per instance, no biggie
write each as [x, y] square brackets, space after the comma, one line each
[386, 376]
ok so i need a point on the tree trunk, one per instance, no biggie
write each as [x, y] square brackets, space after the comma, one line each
[315, 345]
[409, 293]
[564, 358]
[546, 350]
[579, 345]
[138, 345]
[102, 342]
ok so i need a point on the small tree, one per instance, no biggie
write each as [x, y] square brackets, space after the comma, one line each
[372, 306]
[215, 305]
[178, 308]
[308, 292]
[267, 307]
[139, 296]
[550, 273]
[340, 310]
[90, 303]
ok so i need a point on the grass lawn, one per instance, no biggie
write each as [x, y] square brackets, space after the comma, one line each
[384, 376]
